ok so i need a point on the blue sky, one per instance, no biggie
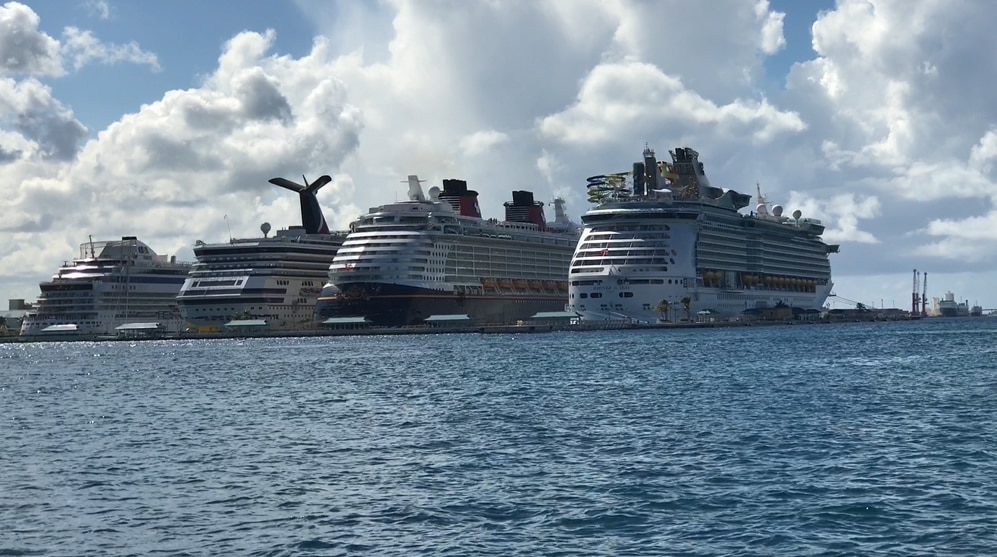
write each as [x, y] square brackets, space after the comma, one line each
[863, 113]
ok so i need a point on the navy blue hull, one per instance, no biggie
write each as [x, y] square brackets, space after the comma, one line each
[395, 306]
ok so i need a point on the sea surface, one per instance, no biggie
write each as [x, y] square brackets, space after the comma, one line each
[847, 439]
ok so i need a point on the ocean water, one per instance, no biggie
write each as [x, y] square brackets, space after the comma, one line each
[849, 439]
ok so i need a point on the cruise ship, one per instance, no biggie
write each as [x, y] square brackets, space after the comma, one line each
[271, 280]
[663, 244]
[111, 284]
[435, 257]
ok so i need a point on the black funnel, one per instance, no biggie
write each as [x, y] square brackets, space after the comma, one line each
[311, 213]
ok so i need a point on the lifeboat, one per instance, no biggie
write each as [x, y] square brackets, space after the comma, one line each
[522, 284]
[536, 284]
[488, 283]
[562, 286]
[505, 283]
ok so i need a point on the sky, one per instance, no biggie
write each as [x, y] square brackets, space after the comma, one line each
[164, 120]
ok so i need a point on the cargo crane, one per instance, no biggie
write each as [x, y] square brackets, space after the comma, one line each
[915, 302]
[924, 295]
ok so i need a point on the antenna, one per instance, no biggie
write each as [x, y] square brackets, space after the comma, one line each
[229, 228]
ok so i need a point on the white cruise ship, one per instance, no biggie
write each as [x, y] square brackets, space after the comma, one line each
[663, 244]
[111, 283]
[273, 279]
[406, 262]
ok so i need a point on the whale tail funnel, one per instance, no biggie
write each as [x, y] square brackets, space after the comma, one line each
[311, 213]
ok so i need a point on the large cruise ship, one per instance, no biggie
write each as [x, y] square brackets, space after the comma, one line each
[663, 244]
[274, 280]
[435, 256]
[111, 284]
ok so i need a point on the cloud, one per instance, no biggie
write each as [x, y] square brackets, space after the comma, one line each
[98, 8]
[43, 127]
[23, 48]
[171, 171]
[842, 212]
[638, 97]
[772, 39]
[26, 50]
[481, 141]
[82, 48]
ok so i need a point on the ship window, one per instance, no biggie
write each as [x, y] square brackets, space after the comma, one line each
[583, 295]
[597, 295]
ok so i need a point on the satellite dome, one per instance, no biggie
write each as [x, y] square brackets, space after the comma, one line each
[265, 228]
[797, 214]
[777, 210]
[434, 193]
[760, 208]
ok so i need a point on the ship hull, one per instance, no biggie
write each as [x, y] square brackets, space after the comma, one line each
[643, 304]
[392, 305]
[287, 307]
[208, 315]
[97, 308]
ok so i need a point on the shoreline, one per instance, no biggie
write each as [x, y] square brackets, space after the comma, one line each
[524, 328]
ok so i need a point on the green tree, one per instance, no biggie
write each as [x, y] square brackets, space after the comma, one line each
[686, 305]
[663, 307]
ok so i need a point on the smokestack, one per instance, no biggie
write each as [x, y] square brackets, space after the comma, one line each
[463, 200]
[524, 209]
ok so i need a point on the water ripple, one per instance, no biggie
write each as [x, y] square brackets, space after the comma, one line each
[851, 439]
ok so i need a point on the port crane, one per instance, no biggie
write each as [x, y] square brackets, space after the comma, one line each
[919, 296]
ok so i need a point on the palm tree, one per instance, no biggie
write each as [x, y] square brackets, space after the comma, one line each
[686, 304]
[662, 308]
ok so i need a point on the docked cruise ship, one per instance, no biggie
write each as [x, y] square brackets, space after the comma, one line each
[663, 244]
[411, 261]
[111, 284]
[272, 280]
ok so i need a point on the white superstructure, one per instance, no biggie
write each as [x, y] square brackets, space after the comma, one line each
[664, 244]
[111, 283]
